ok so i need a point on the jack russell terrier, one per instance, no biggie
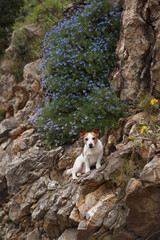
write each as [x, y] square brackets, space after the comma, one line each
[91, 155]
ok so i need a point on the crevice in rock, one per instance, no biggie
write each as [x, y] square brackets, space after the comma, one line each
[3, 190]
[149, 58]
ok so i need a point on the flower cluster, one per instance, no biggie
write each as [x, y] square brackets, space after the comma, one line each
[153, 101]
[79, 55]
[143, 129]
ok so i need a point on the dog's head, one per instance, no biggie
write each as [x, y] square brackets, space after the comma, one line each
[90, 139]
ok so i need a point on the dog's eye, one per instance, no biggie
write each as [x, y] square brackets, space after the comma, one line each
[86, 139]
[93, 138]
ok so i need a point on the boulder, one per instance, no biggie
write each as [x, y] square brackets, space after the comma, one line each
[70, 234]
[151, 171]
[138, 50]
[144, 212]
[32, 165]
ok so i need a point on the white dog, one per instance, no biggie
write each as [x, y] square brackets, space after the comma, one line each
[91, 155]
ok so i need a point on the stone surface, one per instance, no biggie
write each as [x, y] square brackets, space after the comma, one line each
[70, 234]
[31, 31]
[138, 50]
[151, 171]
[144, 211]
[67, 159]
[37, 201]
[34, 235]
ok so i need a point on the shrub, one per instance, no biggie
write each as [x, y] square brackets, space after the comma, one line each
[17, 70]
[9, 10]
[79, 55]
[21, 43]
[41, 13]
[125, 172]
[27, 48]
[48, 12]
[24, 16]
[148, 104]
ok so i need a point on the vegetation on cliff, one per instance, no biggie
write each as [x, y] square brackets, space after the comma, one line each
[79, 55]
[17, 13]
[9, 10]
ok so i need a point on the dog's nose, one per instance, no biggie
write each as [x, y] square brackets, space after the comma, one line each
[91, 145]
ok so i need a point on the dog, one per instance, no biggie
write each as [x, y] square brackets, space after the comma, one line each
[91, 155]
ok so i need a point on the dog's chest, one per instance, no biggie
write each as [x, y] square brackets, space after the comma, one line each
[92, 156]
[92, 159]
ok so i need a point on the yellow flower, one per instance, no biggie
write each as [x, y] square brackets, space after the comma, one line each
[143, 129]
[130, 137]
[153, 101]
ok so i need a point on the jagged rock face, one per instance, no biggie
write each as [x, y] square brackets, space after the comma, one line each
[138, 50]
[20, 96]
[37, 200]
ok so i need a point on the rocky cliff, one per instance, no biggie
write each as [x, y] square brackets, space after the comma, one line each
[138, 49]
[119, 201]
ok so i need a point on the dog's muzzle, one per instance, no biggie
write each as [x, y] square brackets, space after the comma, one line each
[91, 145]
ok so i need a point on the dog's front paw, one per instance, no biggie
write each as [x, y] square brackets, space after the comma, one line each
[74, 178]
[87, 170]
[98, 166]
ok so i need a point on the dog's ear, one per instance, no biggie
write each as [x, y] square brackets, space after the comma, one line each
[96, 131]
[82, 133]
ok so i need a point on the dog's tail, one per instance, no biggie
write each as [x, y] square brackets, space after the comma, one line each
[68, 171]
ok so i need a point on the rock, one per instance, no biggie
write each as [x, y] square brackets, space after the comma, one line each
[51, 226]
[3, 158]
[94, 209]
[74, 216]
[142, 203]
[19, 98]
[151, 171]
[6, 126]
[6, 84]
[36, 162]
[30, 31]
[25, 141]
[96, 214]
[110, 219]
[64, 212]
[52, 185]
[115, 160]
[41, 208]
[34, 235]
[17, 131]
[85, 203]
[37, 202]
[3, 189]
[114, 137]
[20, 205]
[70, 234]
[138, 50]
[93, 178]
[32, 79]
[69, 157]
[120, 233]
[155, 21]
[131, 126]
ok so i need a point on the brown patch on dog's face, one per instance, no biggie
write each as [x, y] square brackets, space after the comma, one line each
[96, 131]
[94, 138]
[82, 133]
[90, 139]
[85, 138]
